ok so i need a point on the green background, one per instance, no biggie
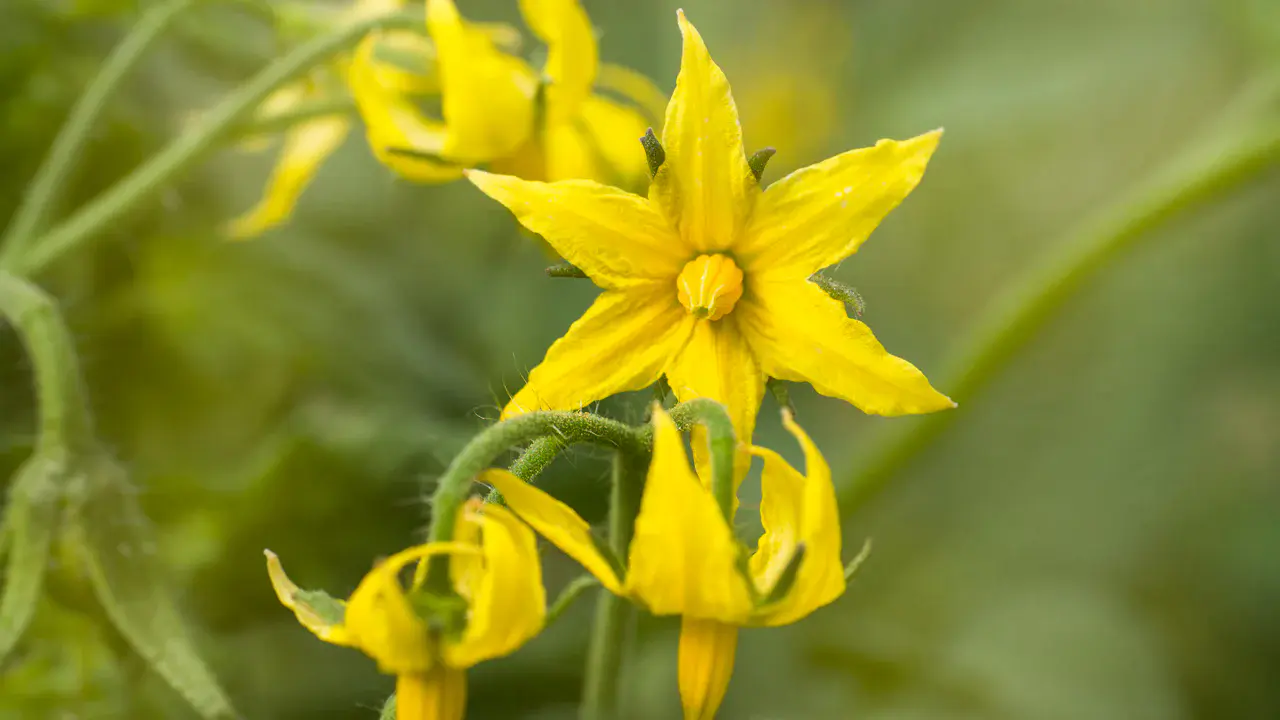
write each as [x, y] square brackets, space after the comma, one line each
[1096, 535]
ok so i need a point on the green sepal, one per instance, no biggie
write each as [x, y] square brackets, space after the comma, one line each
[851, 298]
[781, 394]
[568, 596]
[857, 561]
[565, 270]
[30, 522]
[787, 579]
[759, 160]
[388, 708]
[111, 537]
[653, 152]
[325, 606]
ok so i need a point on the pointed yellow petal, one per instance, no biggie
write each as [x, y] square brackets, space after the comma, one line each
[615, 237]
[317, 612]
[601, 143]
[684, 558]
[393, 123]
[556, 522]
[306, 146]
[819, 215]
[802, 334]
[623, 342]
[798, 509]
[509, 605]
[707, 182]
[439, 694]
[488, 96]
[380, 620]
[572, 56]
[707, 650]
[718, 363]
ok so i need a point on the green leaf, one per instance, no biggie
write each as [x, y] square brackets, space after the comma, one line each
[114, 541]
[29, 524]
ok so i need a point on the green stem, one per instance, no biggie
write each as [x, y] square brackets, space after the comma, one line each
[141, 184]
[530, 464]
[1015, 319]
[283, 121]
[721, 443]
[47, 187]
[65, 422]
[568, 596]
[613, 614]
[479, 453]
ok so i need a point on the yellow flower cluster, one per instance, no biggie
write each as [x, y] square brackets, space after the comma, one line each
[706, 281]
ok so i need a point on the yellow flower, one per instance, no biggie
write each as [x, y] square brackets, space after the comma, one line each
[498, 110]
[684, 559]
[706, 280]
[428, 642]
[306, 145]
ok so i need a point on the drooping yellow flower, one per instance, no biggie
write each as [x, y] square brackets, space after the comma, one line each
[306, 145]
[706, 280]
[684, 559]
[428, 642]
[499, 111]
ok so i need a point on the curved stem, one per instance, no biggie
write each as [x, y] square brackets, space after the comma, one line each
[721, 443]
[47, 187]
[141, 184]
[530, 464]
[65, 421]
[603, 673]
[455, 483]
[1014, 320]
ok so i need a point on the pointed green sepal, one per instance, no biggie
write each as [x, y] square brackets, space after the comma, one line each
[565, 270]
[781, 395]
[787, 579]
[653, 152]
[759, 160]
[856, 563]
[838, 290]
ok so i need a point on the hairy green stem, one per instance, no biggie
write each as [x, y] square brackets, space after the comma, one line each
[141, 184]
[603, 674]
[569, 595]
[47, 187]
[479, 453]
[1016, 318]
[65, 422]
[721, 443]
[530, 463]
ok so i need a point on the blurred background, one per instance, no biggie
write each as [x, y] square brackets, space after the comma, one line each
[1096, 535]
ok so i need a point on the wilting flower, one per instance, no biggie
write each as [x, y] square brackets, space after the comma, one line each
[499, 111]
[706, 280]
[307, 144]
[425, 640]
[684, 559]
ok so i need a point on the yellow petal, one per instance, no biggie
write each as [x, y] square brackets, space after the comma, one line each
[684, 558]
[706, 183]
[380, 620]
[556, 522]
[798, 509]
[800, 333]
[509, 605]
[306, 146]
[393, 123]
[488, 96]
[601, 143]
[615, 237]
[572, 56]
[623, 342]
[819, 215]
[317, 612]
[718, 363]
[636, 87]
[707, 650]
[439, 694]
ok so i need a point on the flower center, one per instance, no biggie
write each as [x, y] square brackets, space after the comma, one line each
[710, 286]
